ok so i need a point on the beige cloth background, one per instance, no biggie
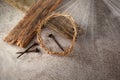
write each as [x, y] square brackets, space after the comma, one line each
[96, 55]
